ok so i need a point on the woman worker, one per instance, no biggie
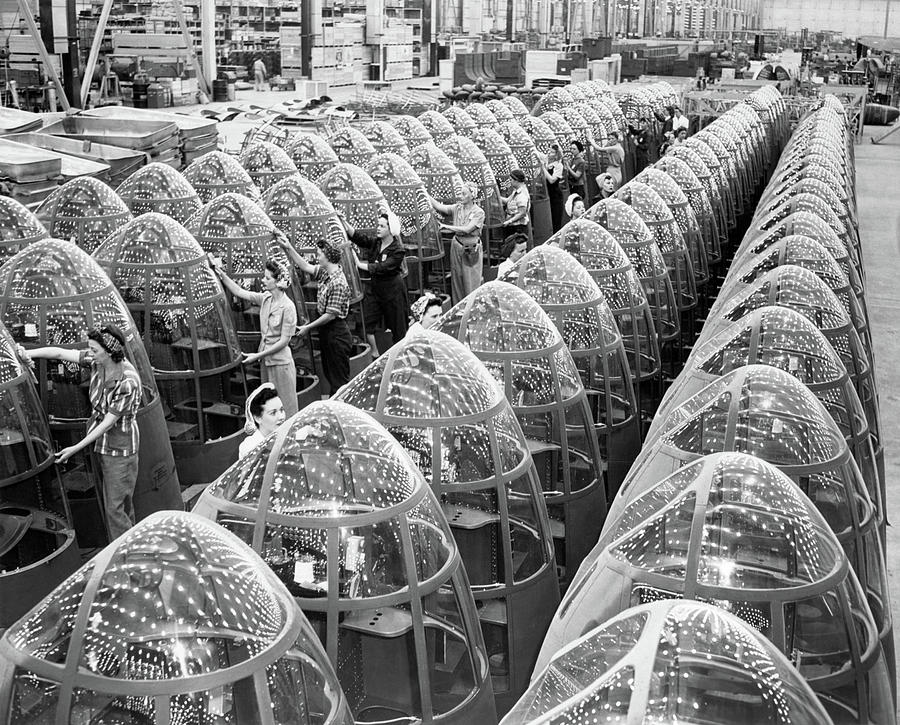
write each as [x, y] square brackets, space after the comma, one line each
[264, 413]
[385, 297]
[277, 325]
[115, 395]
[332, 306]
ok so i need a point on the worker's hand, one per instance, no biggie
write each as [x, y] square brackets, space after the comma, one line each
[250, 357]
[302, 330]
[66, 453]
[281, 240]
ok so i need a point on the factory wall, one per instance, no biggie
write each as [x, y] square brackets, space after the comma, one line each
[852, 17]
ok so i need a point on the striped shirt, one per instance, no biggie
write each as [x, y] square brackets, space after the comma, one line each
[120, 396]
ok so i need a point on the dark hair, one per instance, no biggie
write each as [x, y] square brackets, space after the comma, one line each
[433, 301]
[259, 401]
[577, 144]
[517, 175]
[511, 242]
[332, 253]
[275, 269]
[111, 339]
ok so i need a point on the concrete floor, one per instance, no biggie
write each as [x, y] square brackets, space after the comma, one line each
[877, 177]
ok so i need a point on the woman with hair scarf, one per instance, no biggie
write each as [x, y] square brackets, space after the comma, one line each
[277, 325]
[264, 412]
[424, 312]
[466, 253]
[115, 395]
[385, 297]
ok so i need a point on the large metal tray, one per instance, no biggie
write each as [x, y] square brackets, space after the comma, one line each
[119, 160]
[189, 126]
[12, 120]
[70, 166]
[21, 163]
[126, 133]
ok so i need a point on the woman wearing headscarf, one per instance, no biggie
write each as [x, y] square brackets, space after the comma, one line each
[606, 184]
[574, 206]
[277, 325]
[385, 297]
[332, 307]
[115, 393]
[424, 312]
[466, 252]
[264, 412]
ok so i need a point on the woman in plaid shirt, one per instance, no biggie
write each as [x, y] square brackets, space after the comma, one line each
[332, 304]
[115, 393]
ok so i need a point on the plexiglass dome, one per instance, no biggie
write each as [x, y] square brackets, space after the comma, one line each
[462, 122]
[714, 191]
[160, 188]
[352, 192]
[266, 163]
[498, 153]
[405, 194]
[238, 231]
[733, 531]
[175, 622]
[723, 161]
[553, 100]
[182, 314]
[659, 220]
[84, 211]
[563, 132]
[218, 173]
[437, 125]
[815, 226]
[570, 297]
[501, 111]
[302, 211]
[385, 138]
[474, 167]
[481, 115]
[19, 227]
[437, 172]
[768, 413]
[682, 211]
[311, 155]
[638, 242]
[340, 513]
[808, 214]
[801, 290]
[351, 146]
[523, 350]
[541, 134]
[482, 472]
[173, 294]
[594, 120]
[52, 294]
[412, 130]
[522, 147]
[515, 105]
[716, 670]
[801, 251]
[38, 543]
[782, 338]
[600, 254]
[835, 201]
[721, 174]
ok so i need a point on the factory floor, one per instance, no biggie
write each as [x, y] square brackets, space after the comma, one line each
[877, 175]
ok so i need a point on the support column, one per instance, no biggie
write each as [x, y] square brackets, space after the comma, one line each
[208, 38]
